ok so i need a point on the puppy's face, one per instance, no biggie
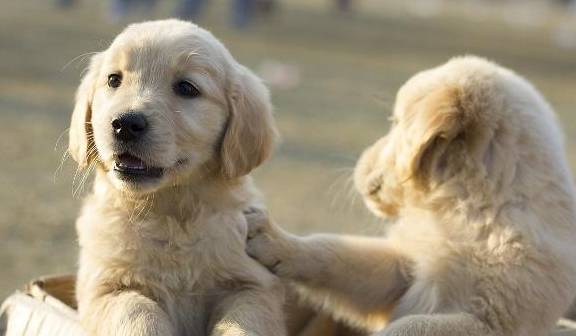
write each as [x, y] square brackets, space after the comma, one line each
[376, 179]
[167, 101]
[432, 139]
[157, 111]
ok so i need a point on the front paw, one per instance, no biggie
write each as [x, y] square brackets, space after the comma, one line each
[270, 246]
[257, 220]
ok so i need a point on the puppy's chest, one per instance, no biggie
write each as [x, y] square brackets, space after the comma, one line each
[177, 257]
[184, 257]
[187, 268]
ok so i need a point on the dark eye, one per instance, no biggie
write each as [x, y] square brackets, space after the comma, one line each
[114, 80]
[186, 89]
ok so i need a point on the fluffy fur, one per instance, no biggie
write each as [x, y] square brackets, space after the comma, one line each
[473, 172]
[165, 255]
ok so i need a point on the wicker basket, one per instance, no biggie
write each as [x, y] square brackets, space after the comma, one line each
[46, 307]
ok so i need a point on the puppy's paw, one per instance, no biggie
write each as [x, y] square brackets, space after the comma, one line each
[258, 221]
[262, 247]
[270, 246]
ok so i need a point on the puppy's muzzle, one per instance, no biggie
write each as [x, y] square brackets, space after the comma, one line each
[130, 127]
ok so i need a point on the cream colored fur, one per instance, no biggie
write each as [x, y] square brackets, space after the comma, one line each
[473, 172]
[167, 256]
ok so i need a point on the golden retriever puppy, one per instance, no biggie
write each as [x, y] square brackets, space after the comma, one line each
[173, 125]
[473, 170]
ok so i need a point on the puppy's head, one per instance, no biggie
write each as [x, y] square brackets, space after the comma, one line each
[166, 101]
[443, 124]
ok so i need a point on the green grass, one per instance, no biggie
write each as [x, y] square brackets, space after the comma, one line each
[351, 67]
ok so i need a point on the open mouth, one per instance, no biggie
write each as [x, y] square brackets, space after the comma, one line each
[130, 167]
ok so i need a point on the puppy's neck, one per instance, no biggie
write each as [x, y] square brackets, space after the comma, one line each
[183, 201]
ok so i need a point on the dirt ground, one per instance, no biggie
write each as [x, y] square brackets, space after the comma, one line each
[349, 67]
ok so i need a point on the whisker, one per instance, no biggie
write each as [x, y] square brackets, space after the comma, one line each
[150, 206]
[142, 208]
[76, 173]
[60, 166]
[168, 119]
[81, 57]
[335, 188]
[76, 188]
[60, 138]
[82, 183]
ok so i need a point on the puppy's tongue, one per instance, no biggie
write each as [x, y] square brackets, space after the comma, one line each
[128, 161]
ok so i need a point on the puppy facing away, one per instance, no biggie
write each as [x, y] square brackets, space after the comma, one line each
[172, 125]
[484, 240]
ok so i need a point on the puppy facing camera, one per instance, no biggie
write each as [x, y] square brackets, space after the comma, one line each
[173, 125]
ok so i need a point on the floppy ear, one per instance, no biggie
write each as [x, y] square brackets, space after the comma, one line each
[250, 132]
[431, 127]
[80, 136]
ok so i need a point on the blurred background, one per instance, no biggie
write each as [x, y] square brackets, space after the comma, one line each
[333, 67]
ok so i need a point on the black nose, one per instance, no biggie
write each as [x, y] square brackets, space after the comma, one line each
[129, 126]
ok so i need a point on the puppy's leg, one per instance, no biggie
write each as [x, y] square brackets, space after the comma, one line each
[356, 274]
[251, 312]
[438, 325]
[125, 313]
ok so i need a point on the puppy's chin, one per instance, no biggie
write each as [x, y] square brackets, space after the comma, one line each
[133, 177]
[381, 209]
[137, 184]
